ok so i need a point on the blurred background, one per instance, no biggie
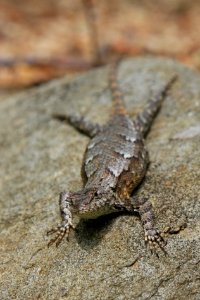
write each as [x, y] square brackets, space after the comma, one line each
[41, 40]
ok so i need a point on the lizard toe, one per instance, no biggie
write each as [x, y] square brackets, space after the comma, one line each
[155, 241]
[60, 231]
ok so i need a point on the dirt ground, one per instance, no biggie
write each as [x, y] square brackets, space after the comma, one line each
[40, 40]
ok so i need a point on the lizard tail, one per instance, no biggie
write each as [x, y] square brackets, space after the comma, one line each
[118, 102]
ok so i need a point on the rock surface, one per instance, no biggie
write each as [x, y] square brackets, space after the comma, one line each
[105, 258]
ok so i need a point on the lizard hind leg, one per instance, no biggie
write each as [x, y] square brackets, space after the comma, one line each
[144, 120]
[80, 123]
[66, 224]
[153, 237]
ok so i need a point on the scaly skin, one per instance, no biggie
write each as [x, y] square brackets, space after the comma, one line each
[115, 162]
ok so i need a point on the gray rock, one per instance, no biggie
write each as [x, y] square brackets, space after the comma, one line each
[105, 258]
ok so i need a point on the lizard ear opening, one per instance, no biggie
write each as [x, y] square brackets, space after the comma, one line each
[96, 194]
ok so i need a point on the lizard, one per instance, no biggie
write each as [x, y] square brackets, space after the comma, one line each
[114, 164]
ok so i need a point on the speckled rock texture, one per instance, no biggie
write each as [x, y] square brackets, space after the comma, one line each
[104, 258]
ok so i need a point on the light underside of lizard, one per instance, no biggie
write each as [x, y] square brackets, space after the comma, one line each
[115, 162]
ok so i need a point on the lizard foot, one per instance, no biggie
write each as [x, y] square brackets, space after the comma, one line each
[60, 231]
[155, 241]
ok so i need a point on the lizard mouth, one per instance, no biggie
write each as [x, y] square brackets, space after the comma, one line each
[95, 213]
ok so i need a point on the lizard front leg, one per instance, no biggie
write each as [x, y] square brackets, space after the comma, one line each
[66, 223]
[152, 235]
[80, 123]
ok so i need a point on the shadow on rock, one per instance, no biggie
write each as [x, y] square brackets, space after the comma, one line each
[89, 233]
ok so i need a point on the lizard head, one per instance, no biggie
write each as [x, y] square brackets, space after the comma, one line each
[91, 204]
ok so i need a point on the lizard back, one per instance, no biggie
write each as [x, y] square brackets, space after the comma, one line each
[112, 155]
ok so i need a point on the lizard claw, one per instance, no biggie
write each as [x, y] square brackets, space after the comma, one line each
[60, 231]
[155, 241]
